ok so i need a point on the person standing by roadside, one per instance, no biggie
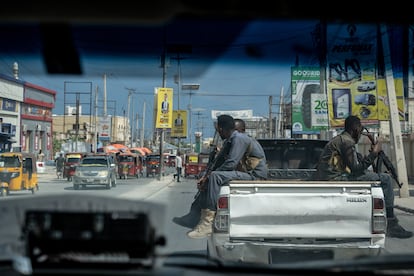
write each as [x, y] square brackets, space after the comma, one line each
[178, 166]
[59, 162]
[40, 156]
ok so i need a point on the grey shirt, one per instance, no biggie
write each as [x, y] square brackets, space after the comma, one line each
[239, 144]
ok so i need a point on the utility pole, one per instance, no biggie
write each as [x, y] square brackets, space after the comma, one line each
[136, 129]
[270, 133]
[95, 140]
[104, 96]
[130, 91]
[280, 124]
[125, 128]
[178, 81]
[142, 127]
[77, 121]
[394, 115]
[164, 84]
[105, 111]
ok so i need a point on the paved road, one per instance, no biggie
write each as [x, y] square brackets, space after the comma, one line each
[178, 197]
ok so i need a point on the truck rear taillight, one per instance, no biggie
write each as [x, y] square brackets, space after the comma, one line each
[379, 218]
[221, 221]
[379, 203]
[223, 202]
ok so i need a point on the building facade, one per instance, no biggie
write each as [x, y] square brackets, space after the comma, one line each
[36, 119]
[94, 130]
[25, 116]
[11, 98]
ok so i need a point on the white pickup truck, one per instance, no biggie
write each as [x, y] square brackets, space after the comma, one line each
[290, 218]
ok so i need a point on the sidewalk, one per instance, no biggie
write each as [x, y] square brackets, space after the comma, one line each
[405, 203]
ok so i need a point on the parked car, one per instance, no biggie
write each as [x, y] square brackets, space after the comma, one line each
[95, 170]
[366, 86]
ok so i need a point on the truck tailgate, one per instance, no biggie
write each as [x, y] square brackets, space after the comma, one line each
[289, 209]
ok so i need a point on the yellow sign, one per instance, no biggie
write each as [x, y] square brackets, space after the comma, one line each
[164, 107]
[193, 159]
[179, 128]
[73, 156]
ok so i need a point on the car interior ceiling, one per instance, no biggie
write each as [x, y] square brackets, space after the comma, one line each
[55, 19]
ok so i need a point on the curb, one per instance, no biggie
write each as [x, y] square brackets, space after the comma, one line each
[405, 209]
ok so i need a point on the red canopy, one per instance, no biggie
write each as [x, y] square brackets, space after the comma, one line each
[138, 150]
[146, 150]
[113, 148]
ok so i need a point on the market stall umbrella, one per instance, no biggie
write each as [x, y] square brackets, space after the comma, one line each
[119, 146]
[113, 148]
[138, 150]
[110, 149]
[146, 150]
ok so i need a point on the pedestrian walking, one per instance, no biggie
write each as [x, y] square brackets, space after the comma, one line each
[178, 166]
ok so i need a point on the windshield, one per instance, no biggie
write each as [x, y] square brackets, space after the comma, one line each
[9, 161]
[157, 85]
[94, 161]
[126, 159]
[73, 160]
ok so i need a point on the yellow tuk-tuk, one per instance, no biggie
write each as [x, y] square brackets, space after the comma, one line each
[17, 172]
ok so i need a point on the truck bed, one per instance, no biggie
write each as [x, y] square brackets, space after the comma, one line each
[291, 217]
[298, 209]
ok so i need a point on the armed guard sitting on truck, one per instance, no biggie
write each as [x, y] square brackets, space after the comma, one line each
[341, 161]
[191, 219]
[241, 146]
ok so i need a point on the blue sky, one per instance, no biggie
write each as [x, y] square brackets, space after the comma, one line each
[242, 76]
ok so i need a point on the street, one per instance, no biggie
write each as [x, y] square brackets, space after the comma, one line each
[178, 198]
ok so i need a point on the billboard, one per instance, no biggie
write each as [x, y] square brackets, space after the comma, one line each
[164, 107]
[104, 128]
[240, 114]
[309, 105]
[355, 83]
[179, 128]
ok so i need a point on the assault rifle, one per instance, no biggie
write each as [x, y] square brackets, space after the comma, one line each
[383, 159]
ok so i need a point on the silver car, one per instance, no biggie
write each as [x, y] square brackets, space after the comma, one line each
[366, 86]
[95, 170]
